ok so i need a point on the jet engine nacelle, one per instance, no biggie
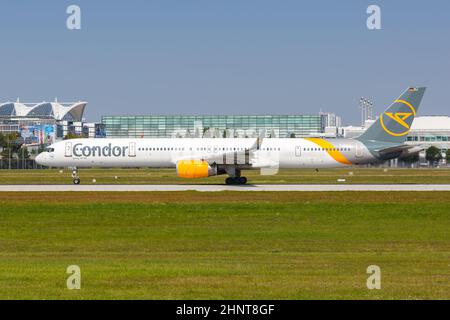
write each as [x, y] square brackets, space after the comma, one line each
[192, 169]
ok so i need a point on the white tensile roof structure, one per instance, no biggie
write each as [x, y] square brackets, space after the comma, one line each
[431, 123]
[55, 110]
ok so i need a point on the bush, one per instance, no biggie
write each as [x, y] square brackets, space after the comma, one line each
[433, 155]
[412, 158]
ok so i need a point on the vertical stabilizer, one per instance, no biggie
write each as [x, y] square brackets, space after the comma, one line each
[394, 124]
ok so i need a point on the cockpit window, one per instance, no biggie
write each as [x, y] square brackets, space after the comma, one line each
[49, 150]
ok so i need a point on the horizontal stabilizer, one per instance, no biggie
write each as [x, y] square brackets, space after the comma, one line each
[402, 148]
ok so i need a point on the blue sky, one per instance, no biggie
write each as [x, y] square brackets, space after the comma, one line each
[225, 57]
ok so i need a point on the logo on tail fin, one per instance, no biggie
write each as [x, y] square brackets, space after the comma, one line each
[399, 117]
[398, 126]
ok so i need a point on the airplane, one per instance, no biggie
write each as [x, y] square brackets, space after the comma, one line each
[205, 157]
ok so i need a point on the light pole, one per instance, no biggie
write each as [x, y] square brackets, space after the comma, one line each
[366, 106]
[9, 153]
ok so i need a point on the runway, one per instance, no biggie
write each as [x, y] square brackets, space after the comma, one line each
[217, 188]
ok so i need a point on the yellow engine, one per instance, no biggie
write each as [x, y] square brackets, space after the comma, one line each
[192, 169]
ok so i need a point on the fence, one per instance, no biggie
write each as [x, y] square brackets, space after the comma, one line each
[19, 164]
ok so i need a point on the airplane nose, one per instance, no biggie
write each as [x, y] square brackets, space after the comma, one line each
[39, 159]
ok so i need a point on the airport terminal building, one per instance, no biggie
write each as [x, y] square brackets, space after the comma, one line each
[46, 122]
[216, 126]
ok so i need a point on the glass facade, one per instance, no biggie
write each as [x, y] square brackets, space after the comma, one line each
[7, 110]
[43, 110]
[428, 138]
[279, 126]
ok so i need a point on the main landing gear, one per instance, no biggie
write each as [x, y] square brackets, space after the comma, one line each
[234, 176]
[236, 180]
[76, 178]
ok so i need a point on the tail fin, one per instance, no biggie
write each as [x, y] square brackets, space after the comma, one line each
[395, 123]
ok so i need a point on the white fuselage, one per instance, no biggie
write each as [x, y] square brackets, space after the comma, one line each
[165, 153]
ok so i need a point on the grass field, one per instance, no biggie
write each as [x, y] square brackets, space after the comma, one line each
[229, 245]
[168, 176]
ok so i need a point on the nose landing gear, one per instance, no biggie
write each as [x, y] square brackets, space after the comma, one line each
[76, 178]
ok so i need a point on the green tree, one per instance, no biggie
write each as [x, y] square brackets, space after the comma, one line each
[41, 148]
[2, 140]
[10, 144]
[206, 132]
[24, 153]
[412, 158]
[72, 135]
[447, 155]
[433, 155]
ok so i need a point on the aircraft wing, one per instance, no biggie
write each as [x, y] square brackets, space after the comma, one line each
[245, 156]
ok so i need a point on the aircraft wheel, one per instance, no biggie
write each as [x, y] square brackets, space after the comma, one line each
[242, 180]
[235, 180]
[76, 181]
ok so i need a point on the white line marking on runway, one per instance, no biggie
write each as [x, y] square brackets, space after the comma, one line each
[216, 188]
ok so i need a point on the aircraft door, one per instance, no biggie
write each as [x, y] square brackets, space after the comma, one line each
[298, 151]
[132, 149]
[68, 149]
[359, 151]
